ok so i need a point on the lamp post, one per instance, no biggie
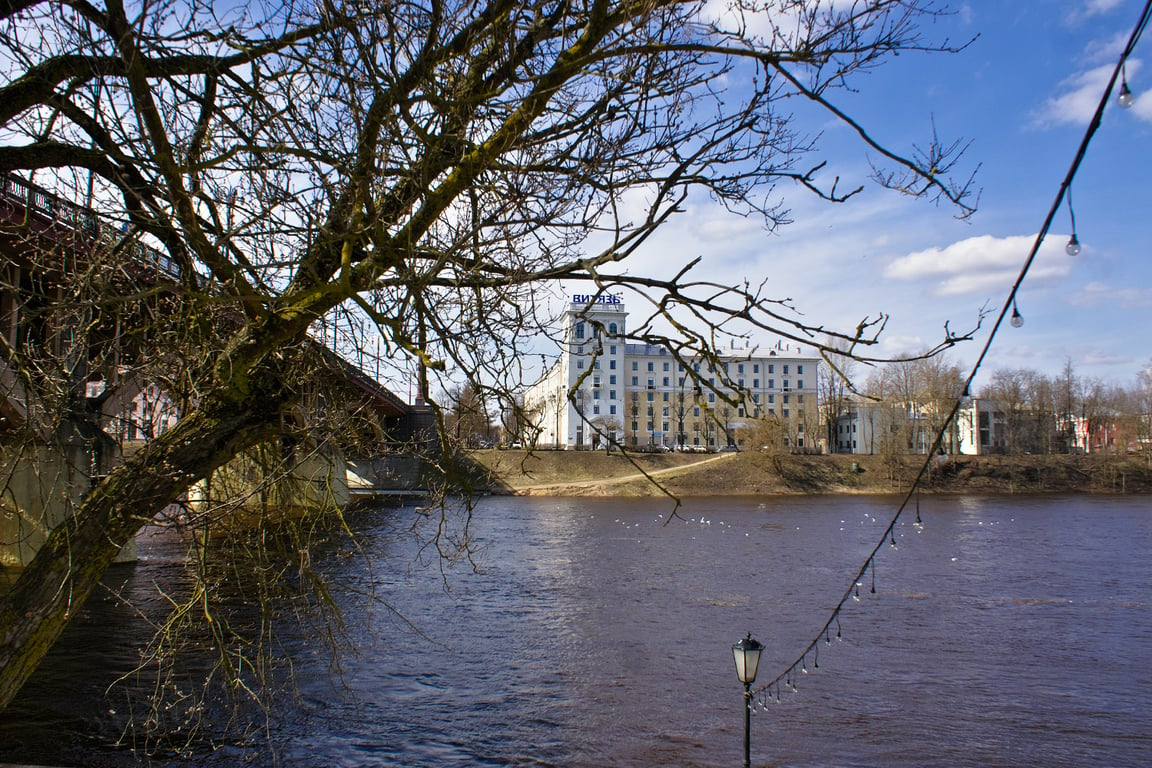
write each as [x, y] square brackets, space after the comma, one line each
[747, 656]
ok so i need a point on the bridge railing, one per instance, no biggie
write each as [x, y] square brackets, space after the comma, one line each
[79, 219]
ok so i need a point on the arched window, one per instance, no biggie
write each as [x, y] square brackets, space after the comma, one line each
[612, 329]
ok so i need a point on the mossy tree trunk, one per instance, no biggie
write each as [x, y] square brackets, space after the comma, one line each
[77, 553]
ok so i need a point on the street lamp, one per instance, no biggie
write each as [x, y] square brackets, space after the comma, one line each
[747, 656]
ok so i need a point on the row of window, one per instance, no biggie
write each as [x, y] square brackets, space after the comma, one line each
[667, 366]
[613, 330]
[740, 412]
[712, 382]
[711, 395]
[696, 427]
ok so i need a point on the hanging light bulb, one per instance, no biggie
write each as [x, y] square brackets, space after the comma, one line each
[1017, 319]
[1073, 247]
[1125, 98]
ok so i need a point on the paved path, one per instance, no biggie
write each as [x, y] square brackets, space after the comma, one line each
[586, 484]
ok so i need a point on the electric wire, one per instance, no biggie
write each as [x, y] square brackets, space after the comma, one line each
[788, 675]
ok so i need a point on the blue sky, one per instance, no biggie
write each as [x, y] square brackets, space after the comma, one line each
[1022, 93]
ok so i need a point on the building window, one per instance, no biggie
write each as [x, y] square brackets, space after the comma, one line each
[635, 426]
[785, 413]
[635, 381]
[579, 330]
[771, 383]
[579, 365]
[756, 368]
[740, 383]
[596, 409]
[595, 394]
[785, 370]
[800, 398]
[740, 368]
[771, 398]
[711, 397]
[771, 368]
[596, 364]
[696, 411]
[612, 330]
[612, 409]
[650, 426]
[786, 398]
[651, 397]
[651, 384]
[755, 383]
[665, 397]
[611, 394]
[665, 366]
[799, 383]
[612, 364]
[786, 387]
[650, 368]
[665, 381]
[799, 370]
[740, 412]
[634, 365]
[612, 379]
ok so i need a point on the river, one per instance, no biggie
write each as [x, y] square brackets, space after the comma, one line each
[597, 632]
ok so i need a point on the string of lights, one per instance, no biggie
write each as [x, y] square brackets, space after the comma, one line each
[787, 679]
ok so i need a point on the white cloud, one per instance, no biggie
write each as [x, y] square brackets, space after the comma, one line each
[1142, 107]
[1076, 99]
[895, 346]
[1099, 7]
[981, 265]
[1095, 294]
[1078, 95]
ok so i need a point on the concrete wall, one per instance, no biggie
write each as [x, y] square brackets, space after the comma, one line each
[40, 487]
[264, 483]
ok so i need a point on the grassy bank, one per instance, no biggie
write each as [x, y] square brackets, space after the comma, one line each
[575, 473]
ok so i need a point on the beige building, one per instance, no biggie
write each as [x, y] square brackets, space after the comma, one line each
[602, 390]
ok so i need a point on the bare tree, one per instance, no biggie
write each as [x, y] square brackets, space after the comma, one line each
[835, 387]
[1142, 407]
[403, 182]
[468, 418]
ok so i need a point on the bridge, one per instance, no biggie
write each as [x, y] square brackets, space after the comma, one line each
[71, 401]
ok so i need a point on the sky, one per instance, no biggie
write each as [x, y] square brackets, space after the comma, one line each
[1022, 92]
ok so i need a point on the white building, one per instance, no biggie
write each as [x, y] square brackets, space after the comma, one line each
[868, 427]
[605, 390]
[983, 428]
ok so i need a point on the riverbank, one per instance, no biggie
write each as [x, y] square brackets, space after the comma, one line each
[586, 473]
